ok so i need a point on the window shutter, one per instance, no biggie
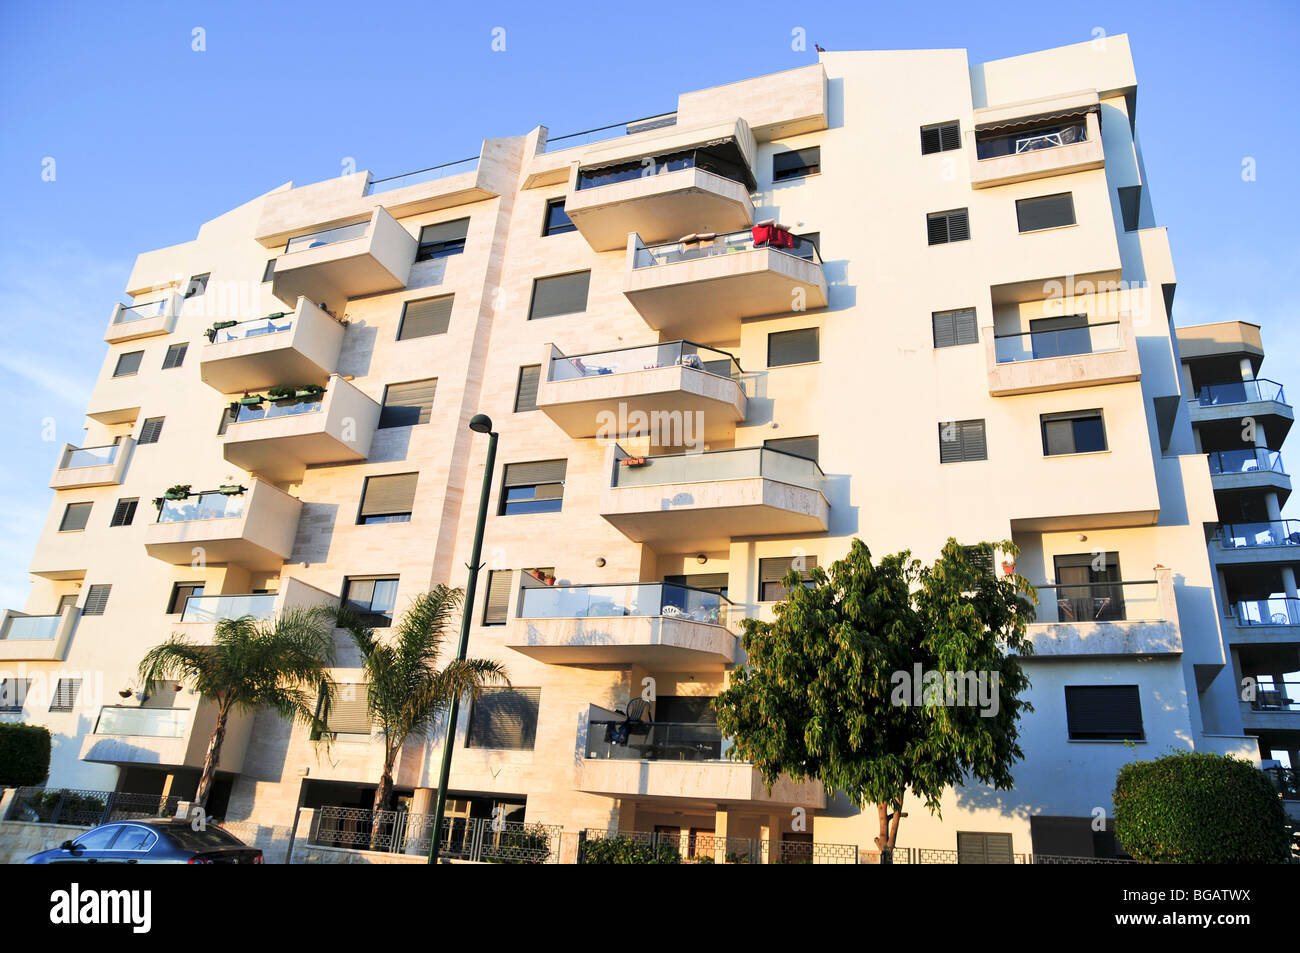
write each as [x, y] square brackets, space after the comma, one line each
[13, 693]
[972, 440]
[1048, 211]
[96, 600]
[1058, 436]
[128, 363]
[1103, 711]
[65, 694]
[497, 607]
[930, 140]
[408, 404]
[389, 494]
[937, 229]
[796, 162]
[175, 356]
[123, 513]
[526, 393]
[75, 517]
[531, 474]
[984, 848]
[952, 328]
[801, 346]
[349, 712]
[425, 317]
[151, 430]
[455, 231]
[945, 334]
[504, 718]
[950, 136]
[560, 294]
[958, 226]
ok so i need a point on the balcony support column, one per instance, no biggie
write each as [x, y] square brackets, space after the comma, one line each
[1288, 582]
[421, 803]
[720, 816]
[1247, 370]
[770, 830]
[1270, 501]
[1261, 440]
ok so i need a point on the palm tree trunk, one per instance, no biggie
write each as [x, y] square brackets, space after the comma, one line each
[383, 794]
[211, 758]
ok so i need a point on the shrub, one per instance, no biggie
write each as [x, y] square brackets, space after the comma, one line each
[1197, 808]
[625, 850]
[24, 755]
[530, 844]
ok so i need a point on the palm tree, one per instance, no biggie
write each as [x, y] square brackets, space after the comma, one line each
[280, 664]
[407, 690]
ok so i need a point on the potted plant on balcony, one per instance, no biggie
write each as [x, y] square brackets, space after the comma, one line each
[308, 390]
[251, 400]
[178, 492]
[231, 489]
[211, 333]
[1008, 567]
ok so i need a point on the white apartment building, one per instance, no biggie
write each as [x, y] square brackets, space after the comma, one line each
[892, 295]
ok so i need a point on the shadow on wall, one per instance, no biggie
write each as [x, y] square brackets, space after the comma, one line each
[315, 532]
[390, 444]
[427, 274]
[358, 348]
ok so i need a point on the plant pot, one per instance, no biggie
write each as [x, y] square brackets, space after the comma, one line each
[1008, 569]
[231, 489]
[252, 400]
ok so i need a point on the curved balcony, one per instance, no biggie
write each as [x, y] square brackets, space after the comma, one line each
[656, 624]
[300, 346]
[677, 393]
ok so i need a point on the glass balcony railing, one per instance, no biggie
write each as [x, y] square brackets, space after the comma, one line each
[659, 165]
[31, 628]
[1272, 696]
[1030, 140]
[646, 599]
[1061, 342]
[327, 236]
[1245, 461]
[713, 246]
[256, 327]
[1274, 533]
[1282, 610]
[260, 606]
[142, 722]
[419, 176]
[1240, 392]
[712, 465]
[138, 312]
[271, 409]
[1099, 602]
[202, 506]
[654, 741]
[615, 131]
[74, 458]
[625, 360]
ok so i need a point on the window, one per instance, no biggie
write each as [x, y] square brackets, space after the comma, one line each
[559, 294]
[945, 227]
[181, 593]
[504, 718]
[150, 430]
[13, 693]
[198, 284]
[978, 848]
[100, 838]
[175, 356]
[425, 317]
[349, 712]
[1103, 713]
[1130, 206]
[953, 328]
[981, 558]
[128, 363]
[1047, 211]
[805, 447]
[1080, 432]
[75, 516]
[269, 271]
[796, 163]
[123, 513]
[373, 597]
[1060, 336]
[961, 441]
[526, 390]
[442, 240]
[67, 601]
[96, 600]
[941, 137]
[497, 605]
[533, 487]
[1089, 587]
[772, 573]
[388, 499]
[66, 691]
[557, 220]
[136, 838]
[793, 347]
[409, 404]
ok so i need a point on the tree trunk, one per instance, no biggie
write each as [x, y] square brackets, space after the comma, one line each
[383, 794]
[890, 813]
[212, 757]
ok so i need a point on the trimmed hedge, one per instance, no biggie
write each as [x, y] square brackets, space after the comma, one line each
[625, 850]
[24, 754]
[1198, 808]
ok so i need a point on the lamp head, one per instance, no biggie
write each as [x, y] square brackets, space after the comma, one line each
[480, 423]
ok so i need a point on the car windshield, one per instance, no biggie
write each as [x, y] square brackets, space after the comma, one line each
[190, 839]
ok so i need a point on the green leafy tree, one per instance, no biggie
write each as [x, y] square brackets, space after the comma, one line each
[24, 754]
[824, 693]
[1194, 807]
[279, 664]
[407, 691]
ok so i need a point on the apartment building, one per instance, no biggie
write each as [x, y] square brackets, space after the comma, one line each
[892, 295]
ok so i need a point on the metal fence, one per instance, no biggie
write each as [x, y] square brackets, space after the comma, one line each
[476, 839]
[927, 855]
[86, 808]
[672, 847]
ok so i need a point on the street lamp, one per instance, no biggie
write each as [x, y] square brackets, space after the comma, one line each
[479, 423]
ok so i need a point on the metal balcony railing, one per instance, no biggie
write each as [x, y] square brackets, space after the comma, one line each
[614, 131]
[1247, 460]
[654, 741]
[420, 176]
[648, 357]
[1272, 696]
[1240, 392]
[1282, 610]
[1094, 338]
[713, 246]
[1246, 535]
[1123, 601]
[254, 327]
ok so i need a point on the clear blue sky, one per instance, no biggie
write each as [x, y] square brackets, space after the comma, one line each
[151, 138]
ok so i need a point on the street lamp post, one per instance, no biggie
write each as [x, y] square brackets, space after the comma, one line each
[479, 423]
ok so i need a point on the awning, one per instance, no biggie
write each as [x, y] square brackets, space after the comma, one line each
[1026, 122]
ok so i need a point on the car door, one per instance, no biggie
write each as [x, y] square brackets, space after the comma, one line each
[132, 845]
[90, 847]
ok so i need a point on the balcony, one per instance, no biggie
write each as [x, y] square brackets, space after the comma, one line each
[144, 320]
[1236, 399]
[676, 392]
[694, 502]
[1268, 626]
[677, 181]
[659, 625]
[202, 613]
[254, 529]
[346, 261]
[36, 638]
[165, 737]
[81, 467]
[1029, 362]
[702, 287]
[301, 346]
[1107, 619]
[1024, 141]
[278, 439]
[1250, 468]
[677, 760]
[1268, 542]
[1276, 706]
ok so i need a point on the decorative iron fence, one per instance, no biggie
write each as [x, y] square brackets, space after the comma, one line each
[694, 847]
[926, 855]
[86, 808]
[477, 839]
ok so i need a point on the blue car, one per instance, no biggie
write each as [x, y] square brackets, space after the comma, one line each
[151, 841]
